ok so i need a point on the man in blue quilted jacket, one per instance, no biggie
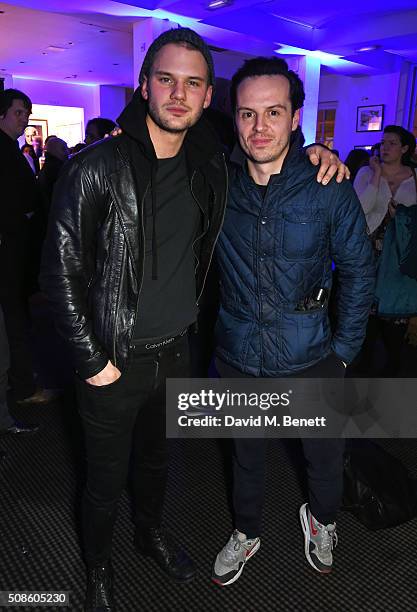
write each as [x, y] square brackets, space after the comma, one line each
[282, 230]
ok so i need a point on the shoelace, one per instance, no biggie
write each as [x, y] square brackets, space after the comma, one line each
[102, 587]
[232, 550]
[328, 540]
[168, 545]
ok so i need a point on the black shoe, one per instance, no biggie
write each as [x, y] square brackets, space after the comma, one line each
[40, 396]
[21, 429]
[171, 558]
[99, 596]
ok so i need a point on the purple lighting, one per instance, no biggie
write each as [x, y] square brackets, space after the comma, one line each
[215, 4]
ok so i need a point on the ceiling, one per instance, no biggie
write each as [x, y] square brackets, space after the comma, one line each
[92, 42]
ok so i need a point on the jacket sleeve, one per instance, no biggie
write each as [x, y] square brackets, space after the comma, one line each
[68, 264]
[351, 251]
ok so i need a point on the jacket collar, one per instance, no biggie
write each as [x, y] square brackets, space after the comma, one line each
[5, 139]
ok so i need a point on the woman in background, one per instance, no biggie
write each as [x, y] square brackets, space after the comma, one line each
[387, 182]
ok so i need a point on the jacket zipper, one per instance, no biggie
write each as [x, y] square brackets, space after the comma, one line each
[263, 209]
[202, 234]
[143, 258]
[117, 309]
[140, 285]
[218, 232]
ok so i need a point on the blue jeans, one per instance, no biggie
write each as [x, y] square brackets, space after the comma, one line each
[324, 459]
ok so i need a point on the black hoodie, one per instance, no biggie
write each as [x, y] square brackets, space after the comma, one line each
[173, 221]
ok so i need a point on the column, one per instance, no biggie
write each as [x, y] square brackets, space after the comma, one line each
[112, 101]
[144, 33]
[309, 73]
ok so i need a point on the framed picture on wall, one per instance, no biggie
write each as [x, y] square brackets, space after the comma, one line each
[37, 128]
[370, 118]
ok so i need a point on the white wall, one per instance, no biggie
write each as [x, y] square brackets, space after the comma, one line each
[112, 101]
[66, 122]
[8, 80]
[62, 94]
[351, 92]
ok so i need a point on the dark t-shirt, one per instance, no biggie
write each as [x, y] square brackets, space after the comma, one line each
[168, 304]
[262, 190]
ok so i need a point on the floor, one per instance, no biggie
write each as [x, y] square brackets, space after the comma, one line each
[40, 484]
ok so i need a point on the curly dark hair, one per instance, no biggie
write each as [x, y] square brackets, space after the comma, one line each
[266, 66]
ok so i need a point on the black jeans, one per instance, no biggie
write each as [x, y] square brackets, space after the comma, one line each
[324, 458]
[393, 338]
[125, 421]
[16, 319]
[5, 419]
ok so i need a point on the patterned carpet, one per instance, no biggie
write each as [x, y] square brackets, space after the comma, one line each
[40, 483]
[41, 480]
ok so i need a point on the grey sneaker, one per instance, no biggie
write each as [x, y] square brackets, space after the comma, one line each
[231, 559]
[319, 541]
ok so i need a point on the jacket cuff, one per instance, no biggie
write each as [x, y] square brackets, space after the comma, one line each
[344, 361]
[90, 368]
[341, 352]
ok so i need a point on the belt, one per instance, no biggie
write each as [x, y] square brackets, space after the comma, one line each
[150, 346]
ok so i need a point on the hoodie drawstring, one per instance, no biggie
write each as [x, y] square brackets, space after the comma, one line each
[154, 245]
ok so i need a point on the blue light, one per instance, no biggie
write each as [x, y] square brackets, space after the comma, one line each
[130, 11]
[327, 59]
[49, 80]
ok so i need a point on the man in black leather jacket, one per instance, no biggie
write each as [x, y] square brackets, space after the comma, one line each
[131, 235]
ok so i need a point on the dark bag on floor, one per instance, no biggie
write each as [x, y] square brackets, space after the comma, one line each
[377, 487]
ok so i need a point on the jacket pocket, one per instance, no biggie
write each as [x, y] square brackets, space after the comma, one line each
[305, 337]
[232, 334]
[300, 239]
[99, 389]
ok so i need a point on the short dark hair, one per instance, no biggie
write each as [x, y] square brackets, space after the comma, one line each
[355, 160]
[267, 66]
[8, 95]
[406, 139]
[48, 138]
[178, 36]
[104, 126]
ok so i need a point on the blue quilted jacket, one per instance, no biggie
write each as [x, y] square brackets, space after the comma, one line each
[274, 252]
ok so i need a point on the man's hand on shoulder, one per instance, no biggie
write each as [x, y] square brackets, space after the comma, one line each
[107, 376]
[329, 162]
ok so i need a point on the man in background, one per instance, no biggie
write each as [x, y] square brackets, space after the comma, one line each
[20, 244]
[97, 129]
[8, 425]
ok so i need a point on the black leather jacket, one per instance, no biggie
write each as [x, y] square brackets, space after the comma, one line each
[93, 259]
